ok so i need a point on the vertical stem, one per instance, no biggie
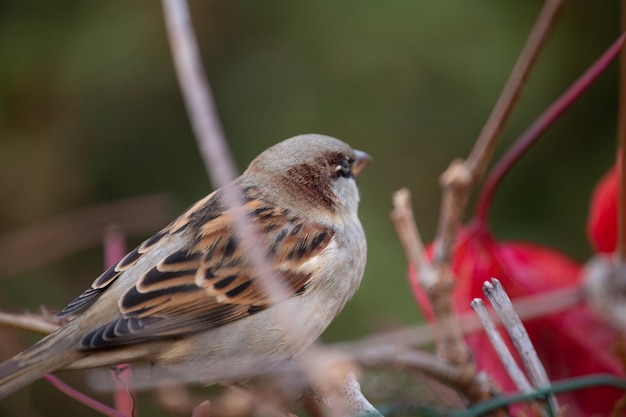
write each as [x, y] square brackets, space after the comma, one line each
[543, 122]
[621, 148]
[481, 153]
[114, 250]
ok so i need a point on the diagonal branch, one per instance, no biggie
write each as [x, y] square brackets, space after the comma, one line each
[461, 176]
[483, 148]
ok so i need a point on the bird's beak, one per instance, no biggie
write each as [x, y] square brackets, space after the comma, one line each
[361, 159]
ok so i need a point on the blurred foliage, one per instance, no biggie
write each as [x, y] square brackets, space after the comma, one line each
[90, 111]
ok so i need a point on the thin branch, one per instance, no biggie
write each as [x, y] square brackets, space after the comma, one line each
[211, 141]
[516, 330]
[63, 235]
[82, 398]
[114, 243]
[202, 410]
[483, 149]
[457, 181]
[346, 399]
[404, 222]
[197, 94]
[621, 148]
[386, 355]
[219, 161]
[529, 307]
[514, 371]
[35, 323]
[542, 123]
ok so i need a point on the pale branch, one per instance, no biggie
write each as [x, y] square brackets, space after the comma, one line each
[202, 410]
[35, 323]
[450, 342]
[621, 148]
[456, 184]
[346, 399]
[499, 299]
[114, 243]
[602, 278]
[511, 367]
[528, 307]
[475, 386]
[214, 148]
[55, 238]
[215, 151]
[197, 94]
[82, 398]
[483, 149]
[404, 223]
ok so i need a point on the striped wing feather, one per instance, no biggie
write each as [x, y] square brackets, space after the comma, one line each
[209, 283]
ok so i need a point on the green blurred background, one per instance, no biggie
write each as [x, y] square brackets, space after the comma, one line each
[90, 112]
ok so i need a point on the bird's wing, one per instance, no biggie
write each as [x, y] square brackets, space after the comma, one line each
[210, 282]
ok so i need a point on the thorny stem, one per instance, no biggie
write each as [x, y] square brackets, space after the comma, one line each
[543, 122]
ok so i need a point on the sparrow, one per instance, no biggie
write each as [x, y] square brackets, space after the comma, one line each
[189, 301]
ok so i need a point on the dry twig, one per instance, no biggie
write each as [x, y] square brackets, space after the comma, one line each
[36, 323]
[516, 330]
[217, 157]
[63, 235]
[202, 410]
[514, 371]
[457, 182]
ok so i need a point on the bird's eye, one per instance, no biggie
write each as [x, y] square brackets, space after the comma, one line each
[344, 169]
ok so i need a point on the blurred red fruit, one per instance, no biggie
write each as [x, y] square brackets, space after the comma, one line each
[569, 343]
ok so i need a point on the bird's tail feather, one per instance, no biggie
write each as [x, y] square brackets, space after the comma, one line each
[47, 356]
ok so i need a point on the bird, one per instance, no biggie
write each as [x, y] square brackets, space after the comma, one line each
[190, 301]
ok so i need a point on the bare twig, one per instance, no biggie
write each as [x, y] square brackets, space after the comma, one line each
[542, 123]
[516, 330]
[603, 280]
[457, 181]
[529, 307]
[197, 94]
[483, 149]
[347, 399]
[82, 398]
[386, 355]
[114, 243]
[36, 323]
[514, 371]
[60, 236]
[621, 148]
[211, 141]
[217, 157]
[202, 410]
[450, 344]
[404, 222]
